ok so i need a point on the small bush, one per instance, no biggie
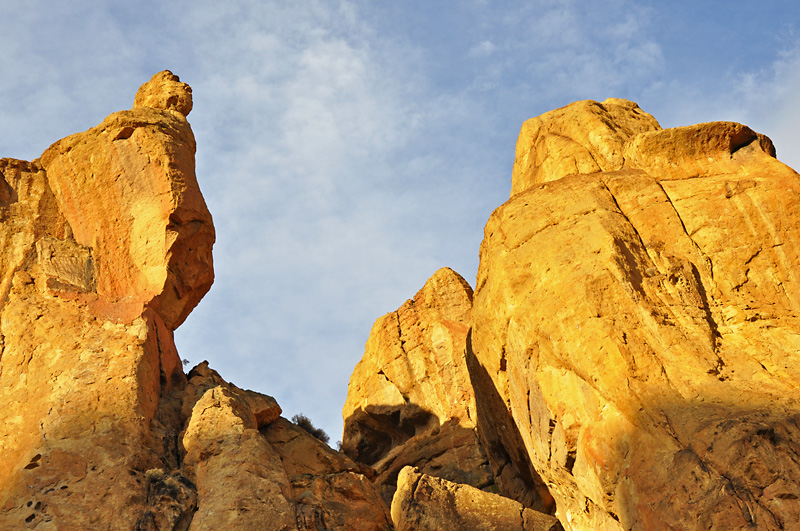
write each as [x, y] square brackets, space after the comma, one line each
[305, 423]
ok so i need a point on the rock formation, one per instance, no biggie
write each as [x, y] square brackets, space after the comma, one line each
[627, 360]
[425, 503]
[105, 248]
[633, 331]
[636, 309]
[410, 400]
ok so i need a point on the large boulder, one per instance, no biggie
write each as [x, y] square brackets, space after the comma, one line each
[636, 310]
[426, 503]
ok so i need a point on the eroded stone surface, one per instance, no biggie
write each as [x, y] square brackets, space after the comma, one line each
[95, 276]
[584, 137]
[641, 324]
[128, 190]
[165, 91]
[410, 401]
[105, 247]
[267, 474]
[426, 503]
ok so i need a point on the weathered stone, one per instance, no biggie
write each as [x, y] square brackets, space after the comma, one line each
[584, 137]
[97, 270]
[701, 150]
[105, 247]
[240, 481]
[410, 400]
[426, 503]
[154, 253]
[641, 324]
[269, 474]
[165, 91]
[171, 502]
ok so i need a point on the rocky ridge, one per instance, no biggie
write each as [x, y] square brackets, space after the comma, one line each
[625, 361]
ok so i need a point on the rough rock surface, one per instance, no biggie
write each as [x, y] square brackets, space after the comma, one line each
[105, 248]
[256, 470]
[637, 310]
[410, 401]
[426, 503]
[628, 359]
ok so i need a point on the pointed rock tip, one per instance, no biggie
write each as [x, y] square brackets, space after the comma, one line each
[447, 276]
[165, 91]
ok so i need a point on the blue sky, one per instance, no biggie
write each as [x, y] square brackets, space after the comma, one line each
[347, 150]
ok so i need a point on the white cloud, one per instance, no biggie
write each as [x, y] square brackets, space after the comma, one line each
[769, 102]
[484, 48]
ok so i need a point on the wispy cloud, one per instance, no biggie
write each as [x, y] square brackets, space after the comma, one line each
[768, 100]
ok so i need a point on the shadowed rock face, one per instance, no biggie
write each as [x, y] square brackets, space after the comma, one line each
[638, 313]
[410, 400]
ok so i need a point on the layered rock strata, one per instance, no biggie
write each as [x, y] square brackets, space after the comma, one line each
[105, 248]
[636, 310]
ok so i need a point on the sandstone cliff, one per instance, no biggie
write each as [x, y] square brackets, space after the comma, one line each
[633, 335]
[105, 248]
[638, 314]
[626, 361]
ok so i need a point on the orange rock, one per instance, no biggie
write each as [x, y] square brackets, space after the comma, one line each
[267, 474]
[410, 400]
[128, 191]
[584, 137]
[105, 248]
[638, 314]
[425, 503]
[165, 91]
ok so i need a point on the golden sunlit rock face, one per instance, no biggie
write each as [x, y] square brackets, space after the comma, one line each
[410, 400]
[105, 248]
[627, 361]
[637, 311]
[633, 337]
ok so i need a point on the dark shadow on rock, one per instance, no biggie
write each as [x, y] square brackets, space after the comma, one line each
[514, 474]
[389, 438]
[369, 435]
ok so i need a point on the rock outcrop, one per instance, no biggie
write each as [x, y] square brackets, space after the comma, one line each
[636, 310]
[633, 334]
[105, 248]
[626, 362]
[410, 401]
[425, 503]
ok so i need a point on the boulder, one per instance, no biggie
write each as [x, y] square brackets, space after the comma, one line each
[638, 317]
[426, 503]
[410, 401]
